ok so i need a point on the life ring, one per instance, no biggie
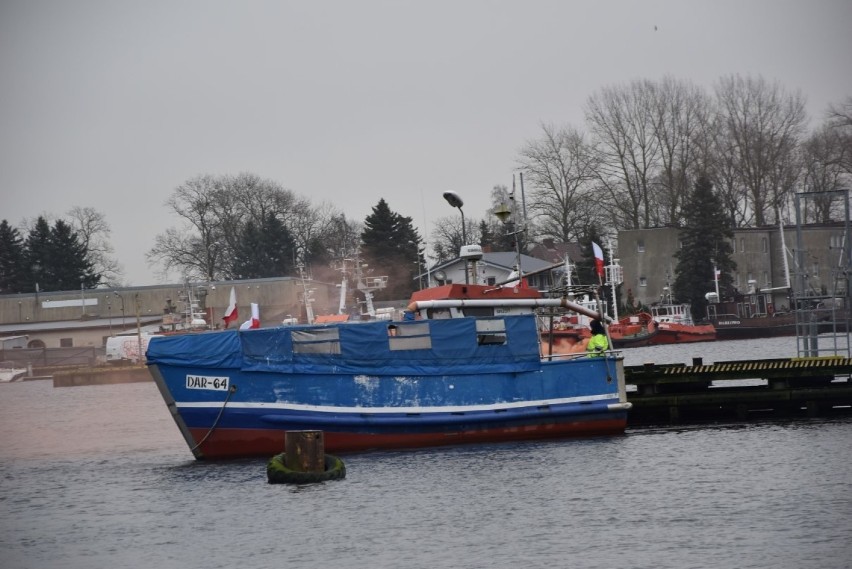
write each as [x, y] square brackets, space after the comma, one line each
[770, 308]
[278, 473]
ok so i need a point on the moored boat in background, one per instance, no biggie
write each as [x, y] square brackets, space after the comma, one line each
[675, 325]
[633, 331]
[750, 315]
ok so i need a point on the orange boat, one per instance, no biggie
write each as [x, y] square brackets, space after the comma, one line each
[675, 325]
[633, 331]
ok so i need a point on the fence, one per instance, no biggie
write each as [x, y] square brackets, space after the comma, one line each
[51, 357]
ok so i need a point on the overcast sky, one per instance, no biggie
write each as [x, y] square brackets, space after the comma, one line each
[113, 104]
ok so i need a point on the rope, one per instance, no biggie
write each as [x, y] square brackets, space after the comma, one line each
[231, 391]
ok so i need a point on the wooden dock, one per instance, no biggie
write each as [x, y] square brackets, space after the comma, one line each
[739, 390]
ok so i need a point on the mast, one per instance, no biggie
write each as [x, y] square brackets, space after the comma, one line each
[307, 294]
[614, 276]
[783, 254]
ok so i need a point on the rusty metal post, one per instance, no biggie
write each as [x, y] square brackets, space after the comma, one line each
[304, 451]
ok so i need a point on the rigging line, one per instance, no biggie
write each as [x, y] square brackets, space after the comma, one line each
[231, 391]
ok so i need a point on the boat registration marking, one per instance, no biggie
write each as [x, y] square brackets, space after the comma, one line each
[207, 382]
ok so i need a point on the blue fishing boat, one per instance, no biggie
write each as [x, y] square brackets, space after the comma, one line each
[467, 369]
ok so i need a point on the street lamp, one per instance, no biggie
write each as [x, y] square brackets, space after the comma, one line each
[122, 309]
[455, 200]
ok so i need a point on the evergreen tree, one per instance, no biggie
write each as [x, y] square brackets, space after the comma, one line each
[706, 239]
[265, 251]
[56, 259]
[390, 244]
[69, 266]
[38, 256]
[12, 260]
[486, 236]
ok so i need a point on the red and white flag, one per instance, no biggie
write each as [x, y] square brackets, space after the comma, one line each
[254, 321]
[599, 258]
[231, 312]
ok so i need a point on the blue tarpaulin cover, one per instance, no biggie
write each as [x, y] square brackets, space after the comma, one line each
[449, 346]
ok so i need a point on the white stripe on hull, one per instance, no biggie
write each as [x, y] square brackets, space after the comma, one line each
[422, 410]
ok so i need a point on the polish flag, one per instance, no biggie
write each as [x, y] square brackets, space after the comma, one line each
[254, 321]
[599, 258]
[231, 312]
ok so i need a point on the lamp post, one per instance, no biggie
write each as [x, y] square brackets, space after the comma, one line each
[455, 200]
[122, 309]
[138, 330]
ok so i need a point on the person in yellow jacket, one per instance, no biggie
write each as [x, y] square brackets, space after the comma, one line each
[598, 343]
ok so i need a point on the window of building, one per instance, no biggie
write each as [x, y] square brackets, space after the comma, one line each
[643, 281]
[766, 282]
[742, 244]
[640, 246]
[66, 342]
[815, 270]
[765, 245]
[737, 280]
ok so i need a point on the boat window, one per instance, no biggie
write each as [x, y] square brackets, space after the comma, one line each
[490, 332]
[316, 341]
[438, 313]
[479, 312]
[414, 336]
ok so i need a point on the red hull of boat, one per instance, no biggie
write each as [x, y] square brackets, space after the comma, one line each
[669, 333]
[236, 443]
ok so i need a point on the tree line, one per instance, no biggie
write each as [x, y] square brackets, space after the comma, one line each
[645, 144]
[645, 150]
[49, 258]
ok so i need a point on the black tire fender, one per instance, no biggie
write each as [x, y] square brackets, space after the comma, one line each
[278, 473]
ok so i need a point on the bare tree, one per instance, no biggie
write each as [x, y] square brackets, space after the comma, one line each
[561, 170]
[681, 128]
[94, 232]
[622, 120]
[196, 248]
[822, 171]
[840, 118]
[761, 125]
[446, 236]
[214, 212]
